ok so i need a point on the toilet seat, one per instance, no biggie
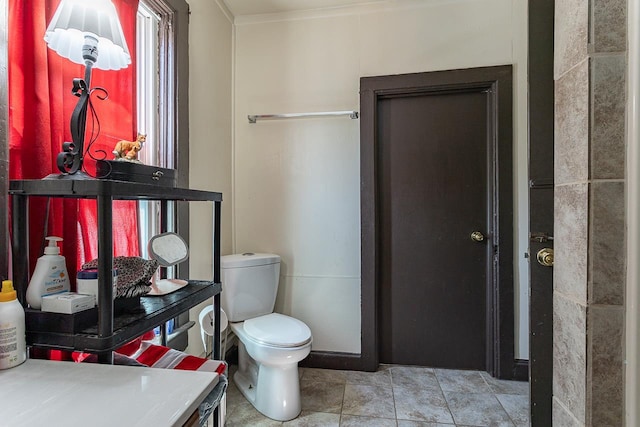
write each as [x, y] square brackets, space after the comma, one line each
[277, 330]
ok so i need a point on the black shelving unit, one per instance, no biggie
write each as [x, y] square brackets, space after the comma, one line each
[111, 331]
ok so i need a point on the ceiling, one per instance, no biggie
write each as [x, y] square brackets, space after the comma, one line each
[255, 7]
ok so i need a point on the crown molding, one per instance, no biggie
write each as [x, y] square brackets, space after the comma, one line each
[359, 9]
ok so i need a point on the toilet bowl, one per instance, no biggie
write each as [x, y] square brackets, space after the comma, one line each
[268, 363]
[270, 344]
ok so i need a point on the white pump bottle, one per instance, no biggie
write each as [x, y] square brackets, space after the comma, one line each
[50, 276]
[13, 348]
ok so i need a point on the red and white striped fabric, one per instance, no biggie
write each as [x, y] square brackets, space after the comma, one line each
[157, 356]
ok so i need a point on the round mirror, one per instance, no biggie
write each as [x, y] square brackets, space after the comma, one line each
[168, 249]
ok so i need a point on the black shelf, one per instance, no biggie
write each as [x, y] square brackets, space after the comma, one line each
[118, 190]
[113, 328]
[152, 311]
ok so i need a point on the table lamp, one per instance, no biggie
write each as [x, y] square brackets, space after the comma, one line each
[86, 32]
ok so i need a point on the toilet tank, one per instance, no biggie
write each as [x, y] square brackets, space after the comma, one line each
[249, 284]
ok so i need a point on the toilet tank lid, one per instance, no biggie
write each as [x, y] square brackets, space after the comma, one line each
[248, 259]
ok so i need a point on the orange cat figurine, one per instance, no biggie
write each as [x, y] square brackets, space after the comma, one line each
[128, 150]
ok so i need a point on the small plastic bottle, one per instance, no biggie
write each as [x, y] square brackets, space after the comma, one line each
[50, 276]
[13, 347]
[87, 282]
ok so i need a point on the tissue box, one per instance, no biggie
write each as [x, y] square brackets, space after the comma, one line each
[67, 302]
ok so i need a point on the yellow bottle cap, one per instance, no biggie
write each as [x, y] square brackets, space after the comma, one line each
[8, 293]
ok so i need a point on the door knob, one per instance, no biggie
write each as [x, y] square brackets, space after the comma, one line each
[477, 236]
[545, 257]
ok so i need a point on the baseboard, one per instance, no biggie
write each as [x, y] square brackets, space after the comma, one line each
[521, 370]
[334, 360]
[355, 362]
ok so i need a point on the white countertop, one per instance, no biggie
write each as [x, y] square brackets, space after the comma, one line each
[47, 393]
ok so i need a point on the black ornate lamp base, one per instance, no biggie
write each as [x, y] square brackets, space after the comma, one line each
[79, 175]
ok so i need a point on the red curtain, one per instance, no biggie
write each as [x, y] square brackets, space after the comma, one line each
[40, 107]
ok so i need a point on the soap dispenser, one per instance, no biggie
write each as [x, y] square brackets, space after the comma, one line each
[50, 276]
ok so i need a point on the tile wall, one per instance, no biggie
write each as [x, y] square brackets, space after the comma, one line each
[589, 271]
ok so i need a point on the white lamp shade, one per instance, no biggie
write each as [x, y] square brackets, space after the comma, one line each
[97, 18]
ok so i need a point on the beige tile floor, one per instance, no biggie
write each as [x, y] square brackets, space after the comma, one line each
[395, 396]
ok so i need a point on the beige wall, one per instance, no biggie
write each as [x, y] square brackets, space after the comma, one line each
[210, 106]
[297, 182]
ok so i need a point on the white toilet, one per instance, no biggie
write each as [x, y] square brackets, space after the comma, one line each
[271, 344]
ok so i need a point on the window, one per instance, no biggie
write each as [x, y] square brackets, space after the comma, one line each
[156, 152]
[163, 117]
[147, 95]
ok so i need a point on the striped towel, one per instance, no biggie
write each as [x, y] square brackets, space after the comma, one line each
[157, 356]
[141, 352]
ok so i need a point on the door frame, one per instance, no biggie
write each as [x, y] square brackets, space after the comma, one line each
[541, 190]
[497, 81]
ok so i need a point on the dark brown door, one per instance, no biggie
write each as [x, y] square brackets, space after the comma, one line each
[541, 105]
[436, 166]
[434, 193]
